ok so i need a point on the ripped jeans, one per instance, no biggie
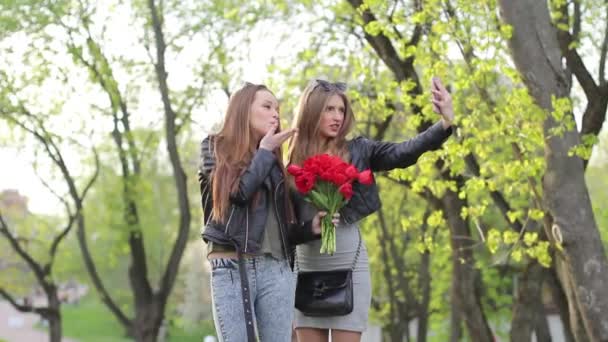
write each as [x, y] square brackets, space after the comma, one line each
[272, 288]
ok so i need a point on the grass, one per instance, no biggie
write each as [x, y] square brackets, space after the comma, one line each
[90, 321]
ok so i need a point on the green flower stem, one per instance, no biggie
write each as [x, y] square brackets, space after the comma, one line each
[327, 197]
[328, 235]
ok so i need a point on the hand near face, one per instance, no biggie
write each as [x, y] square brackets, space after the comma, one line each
[272, 140]
[442, 101]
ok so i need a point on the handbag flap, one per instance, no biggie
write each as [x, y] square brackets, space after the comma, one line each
[329, 280]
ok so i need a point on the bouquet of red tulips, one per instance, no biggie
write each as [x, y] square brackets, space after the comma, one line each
[327, 182]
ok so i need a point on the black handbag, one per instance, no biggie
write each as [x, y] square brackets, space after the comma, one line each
[326, 293]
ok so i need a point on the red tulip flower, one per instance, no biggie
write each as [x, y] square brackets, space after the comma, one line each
[327, 182]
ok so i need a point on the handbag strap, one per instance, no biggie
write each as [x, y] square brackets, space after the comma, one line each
[358, 250]
[357, 253]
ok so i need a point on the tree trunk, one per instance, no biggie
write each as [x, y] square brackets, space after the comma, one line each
[394, 322]
[464, 281]
[561, 301]
[424, 284]
[179, 175]
[528, 308]
[574, 315]
[55, 328]
[543, 334]
[408, 306]
[53, 312]
[537, 55]
[148, 319]
[465, 288]
[455, 317]
[54, 319]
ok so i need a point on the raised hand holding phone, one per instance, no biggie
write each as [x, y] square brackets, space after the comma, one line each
[442, 102]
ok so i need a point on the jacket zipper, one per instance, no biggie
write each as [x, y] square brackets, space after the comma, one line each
[276, 210]
[205, 202]
[228, 223]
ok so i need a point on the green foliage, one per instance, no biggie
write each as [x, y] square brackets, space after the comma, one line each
[88, 321]
[28, 15]
[499, 126]
[519, 246]
[34, 234]
[585, 148]
[598, 186]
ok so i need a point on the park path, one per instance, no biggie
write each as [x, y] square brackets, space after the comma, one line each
[16, 326]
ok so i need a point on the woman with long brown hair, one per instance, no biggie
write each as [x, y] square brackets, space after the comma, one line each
[250, 227]
[323, 119]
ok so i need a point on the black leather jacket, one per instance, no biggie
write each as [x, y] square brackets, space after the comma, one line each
[245, 223]
[382, 156]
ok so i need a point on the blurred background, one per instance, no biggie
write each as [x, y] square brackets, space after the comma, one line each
[103, 105]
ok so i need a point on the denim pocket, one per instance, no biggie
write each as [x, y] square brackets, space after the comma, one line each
[221, 270]
[220, 263]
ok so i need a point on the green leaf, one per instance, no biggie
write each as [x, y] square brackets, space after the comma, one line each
[530, 238]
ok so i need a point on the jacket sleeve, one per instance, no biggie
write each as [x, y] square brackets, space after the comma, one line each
[301, 231]
[253, 177]
[206, 197]
[205, 167]
[385, 156]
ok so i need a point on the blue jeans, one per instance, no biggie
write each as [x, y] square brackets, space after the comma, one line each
[272, 288]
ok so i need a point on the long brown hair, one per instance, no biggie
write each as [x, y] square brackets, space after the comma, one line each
[234, 147]
[307, 119]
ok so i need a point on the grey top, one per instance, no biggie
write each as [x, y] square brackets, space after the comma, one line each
[309, 259]
[271, 244]
[347, 241]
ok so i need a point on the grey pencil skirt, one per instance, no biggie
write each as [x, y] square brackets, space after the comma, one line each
[309, 259]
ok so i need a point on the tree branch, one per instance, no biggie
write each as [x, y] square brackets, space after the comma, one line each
[595, 111]
[168, 278]
[59, 197]
[55, 155]
[418, 29]
[576, 27]
[499, 199]
[138, 271]
[603, 52]
[23, 308]
[574, 60]
[57, 240]
[72, 217]
[382, 44]
[38, 270]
